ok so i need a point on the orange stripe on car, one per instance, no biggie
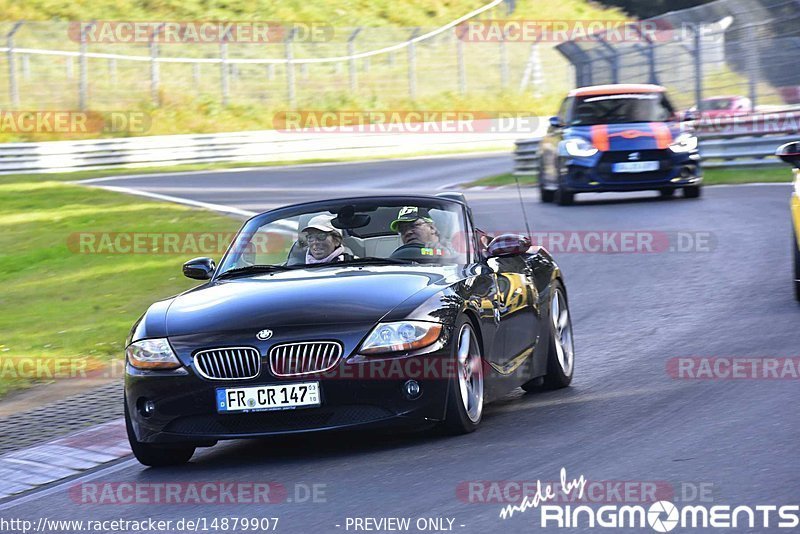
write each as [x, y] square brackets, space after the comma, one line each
[662, 134]
[600, 136]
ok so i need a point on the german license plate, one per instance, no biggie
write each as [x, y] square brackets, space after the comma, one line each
[265, 398]
[636, 166]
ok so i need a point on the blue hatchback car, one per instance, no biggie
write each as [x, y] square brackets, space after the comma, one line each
[620, 137]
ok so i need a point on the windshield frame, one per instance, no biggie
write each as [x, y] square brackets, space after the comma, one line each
[254, 223]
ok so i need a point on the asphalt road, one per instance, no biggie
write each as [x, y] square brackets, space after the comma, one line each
[624, 418]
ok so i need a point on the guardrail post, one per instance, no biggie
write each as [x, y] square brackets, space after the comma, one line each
[270, 71]
[698, 67]
[752, 66]
[351, 50]
[223, 67]
[112, 71]
[26, 66]
[611, 57]
[154, 73]
[290, 86]
[462, 68]
[503, 61]
[533, 71]
[13, 90]
[412, 66]
[83, 83]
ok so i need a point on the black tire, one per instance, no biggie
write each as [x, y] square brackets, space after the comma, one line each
[156, 455]
[556, 376]
[547, 195]
[667, 193]
[563, 197]
[692, 191]
[457, 419]
[796, 268]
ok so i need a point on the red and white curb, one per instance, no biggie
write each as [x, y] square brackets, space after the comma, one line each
[26, 469]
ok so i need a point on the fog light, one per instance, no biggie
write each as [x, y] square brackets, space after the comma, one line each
[412, 389]
[687, 172]
[146, 407]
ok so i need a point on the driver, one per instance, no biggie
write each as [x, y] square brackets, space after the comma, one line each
[324, 241]
[417, 230]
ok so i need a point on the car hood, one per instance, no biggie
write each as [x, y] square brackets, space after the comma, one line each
[307, 297]
[627, 136]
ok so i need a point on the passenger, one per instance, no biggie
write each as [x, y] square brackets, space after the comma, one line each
[324, 241]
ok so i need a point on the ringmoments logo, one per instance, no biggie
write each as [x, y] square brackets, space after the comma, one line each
[660, 516]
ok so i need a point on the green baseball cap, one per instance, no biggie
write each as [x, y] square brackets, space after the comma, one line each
[410, 214]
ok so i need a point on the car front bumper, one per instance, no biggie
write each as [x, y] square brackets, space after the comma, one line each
[359, 395]
[597, 173]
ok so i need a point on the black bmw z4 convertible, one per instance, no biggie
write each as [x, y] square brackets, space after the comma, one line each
[346, 314]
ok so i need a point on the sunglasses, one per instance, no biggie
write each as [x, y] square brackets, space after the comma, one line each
[403, 226]
[315, 238]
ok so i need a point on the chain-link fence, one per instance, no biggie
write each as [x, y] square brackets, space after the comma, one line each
[83, 66]
[746, 49]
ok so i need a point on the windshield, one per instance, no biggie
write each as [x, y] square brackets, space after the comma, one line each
[359, 232]
[621, 108]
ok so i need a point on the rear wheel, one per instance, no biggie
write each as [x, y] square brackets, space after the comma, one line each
[156, 455]
[547, 195]
[692, 191]
[465, 394]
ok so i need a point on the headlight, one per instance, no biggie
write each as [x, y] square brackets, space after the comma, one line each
[401, 336]
[580, 148]
[152, 354]
[685, 142]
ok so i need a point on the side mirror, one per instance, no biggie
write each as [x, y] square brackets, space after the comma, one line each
[790, 153]
[199, 268]
[509, 245]
[555, 122]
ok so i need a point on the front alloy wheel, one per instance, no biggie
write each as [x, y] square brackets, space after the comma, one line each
[465, 397]
[561, 354]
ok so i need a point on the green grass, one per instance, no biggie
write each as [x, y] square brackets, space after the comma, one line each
[711, 177]
[58, 303]
[256, 93]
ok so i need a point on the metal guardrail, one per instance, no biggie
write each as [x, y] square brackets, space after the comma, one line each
[257, 146]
